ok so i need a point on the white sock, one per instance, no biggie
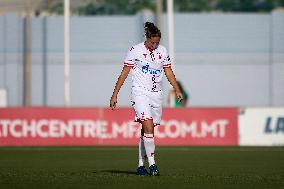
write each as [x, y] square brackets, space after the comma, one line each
[142, 152]
[149, 147]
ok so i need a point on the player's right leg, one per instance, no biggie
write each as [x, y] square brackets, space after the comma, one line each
[141, 170]
[142, 152]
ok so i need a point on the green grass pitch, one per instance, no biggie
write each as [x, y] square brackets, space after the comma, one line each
[114, 167]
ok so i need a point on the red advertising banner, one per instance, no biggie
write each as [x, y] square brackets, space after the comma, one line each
[102, 126]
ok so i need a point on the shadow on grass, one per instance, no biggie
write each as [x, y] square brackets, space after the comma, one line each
[116, 172]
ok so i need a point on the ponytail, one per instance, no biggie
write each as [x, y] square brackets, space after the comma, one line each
[151, 30]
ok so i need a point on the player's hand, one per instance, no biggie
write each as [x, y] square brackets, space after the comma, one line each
[113, 101]
[179, 96]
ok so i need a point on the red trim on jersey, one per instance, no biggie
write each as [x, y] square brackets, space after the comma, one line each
[167, 66]
[128, 65]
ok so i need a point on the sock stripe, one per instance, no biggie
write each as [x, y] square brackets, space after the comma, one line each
[148, 137]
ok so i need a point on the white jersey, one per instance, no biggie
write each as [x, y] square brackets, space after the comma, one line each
[147, 71]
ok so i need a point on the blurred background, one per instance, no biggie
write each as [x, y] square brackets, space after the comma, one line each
[225, 52]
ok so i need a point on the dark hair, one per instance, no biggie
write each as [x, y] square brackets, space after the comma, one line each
[151, 30]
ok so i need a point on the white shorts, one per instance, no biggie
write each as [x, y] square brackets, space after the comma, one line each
[147, 105]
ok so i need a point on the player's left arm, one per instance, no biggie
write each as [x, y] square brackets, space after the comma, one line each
[172, 79]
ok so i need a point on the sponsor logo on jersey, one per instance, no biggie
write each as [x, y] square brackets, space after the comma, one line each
[146, 69]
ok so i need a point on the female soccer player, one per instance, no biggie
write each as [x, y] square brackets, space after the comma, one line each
[147, 61]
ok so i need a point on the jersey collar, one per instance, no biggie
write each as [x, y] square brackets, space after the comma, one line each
[148, 48]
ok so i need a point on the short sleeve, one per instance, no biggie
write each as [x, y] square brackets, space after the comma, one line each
[130, 58]
[167, 61]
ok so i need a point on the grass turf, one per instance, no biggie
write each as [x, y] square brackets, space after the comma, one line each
[114, 167]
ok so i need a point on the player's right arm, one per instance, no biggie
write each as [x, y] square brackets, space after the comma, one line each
[123, 75]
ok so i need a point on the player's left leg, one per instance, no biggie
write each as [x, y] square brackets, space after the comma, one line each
[148, 127]
[156, 100]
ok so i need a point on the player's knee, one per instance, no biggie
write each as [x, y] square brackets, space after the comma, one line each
[148, 127]
[149, 131]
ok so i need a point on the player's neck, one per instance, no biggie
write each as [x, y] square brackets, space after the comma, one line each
[146, 46]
